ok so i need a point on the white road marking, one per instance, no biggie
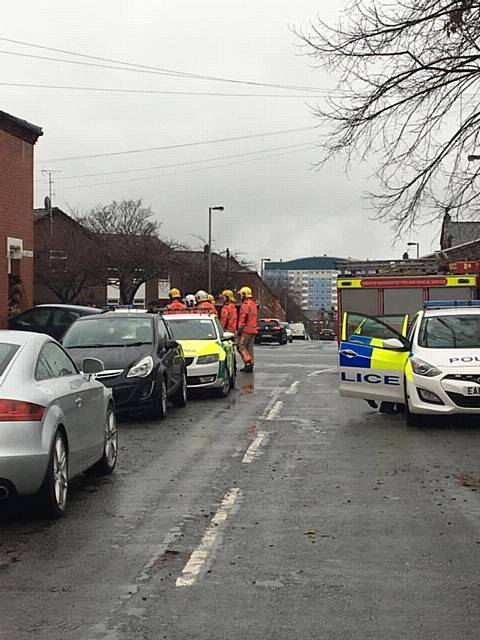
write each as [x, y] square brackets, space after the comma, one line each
[316, 373]
[254, 446]
[201, 555]
[275, 410]
[293, 388]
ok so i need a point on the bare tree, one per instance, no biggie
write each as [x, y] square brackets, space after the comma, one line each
[288, 296]
[409, 78]
[67, 258]
[131, 249]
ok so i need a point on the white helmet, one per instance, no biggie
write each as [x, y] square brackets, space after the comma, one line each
[201, 295]
[190, 300]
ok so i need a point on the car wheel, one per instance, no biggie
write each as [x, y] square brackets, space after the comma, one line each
[108, 461]
[160, 404]
[54, 492]
[225, 388]
[181, 394]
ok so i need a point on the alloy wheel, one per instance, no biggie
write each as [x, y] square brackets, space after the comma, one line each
[60, 473]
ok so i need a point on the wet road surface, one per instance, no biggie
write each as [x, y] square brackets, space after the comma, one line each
[283, 512]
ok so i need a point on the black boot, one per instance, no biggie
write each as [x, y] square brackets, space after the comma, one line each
[248, 368]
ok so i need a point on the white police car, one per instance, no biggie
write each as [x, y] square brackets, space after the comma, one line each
[433, 370]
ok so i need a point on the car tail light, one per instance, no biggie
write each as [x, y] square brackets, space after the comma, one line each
[18, 411]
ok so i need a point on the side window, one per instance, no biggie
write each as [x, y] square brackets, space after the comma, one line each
[359, 327]
[53, 362]
[34, 318]
[162, 330]
[64, 317]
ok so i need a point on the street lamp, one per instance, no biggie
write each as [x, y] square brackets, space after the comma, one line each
[210, 209]
[262, 292]
[415, 244]
[472, 157]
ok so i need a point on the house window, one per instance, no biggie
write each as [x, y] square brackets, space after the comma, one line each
[58, 261]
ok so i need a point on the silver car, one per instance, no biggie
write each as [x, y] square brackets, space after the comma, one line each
[55, 422]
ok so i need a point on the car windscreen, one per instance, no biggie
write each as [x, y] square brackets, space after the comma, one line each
[450, 332]
[7, 351]
[192, 328]
[109, 332]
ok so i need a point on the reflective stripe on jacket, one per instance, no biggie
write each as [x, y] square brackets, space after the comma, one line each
[248, 317]
[229, 317]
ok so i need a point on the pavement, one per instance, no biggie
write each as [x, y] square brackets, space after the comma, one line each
[282, 512]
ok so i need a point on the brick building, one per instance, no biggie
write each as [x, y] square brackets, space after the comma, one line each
[17, 139]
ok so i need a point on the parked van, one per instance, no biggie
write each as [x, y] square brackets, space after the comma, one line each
[298, 331]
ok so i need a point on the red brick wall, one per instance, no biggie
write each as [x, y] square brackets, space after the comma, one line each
[16, 213]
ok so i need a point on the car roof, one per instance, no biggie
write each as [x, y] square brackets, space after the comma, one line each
[69, 307]
[452, 311]
[23, 337]
[118, 314]
[189, 316]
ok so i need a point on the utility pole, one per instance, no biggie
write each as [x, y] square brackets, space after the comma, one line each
[210, 209]
[48, 203]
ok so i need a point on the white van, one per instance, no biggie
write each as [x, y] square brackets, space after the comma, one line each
[298, 331]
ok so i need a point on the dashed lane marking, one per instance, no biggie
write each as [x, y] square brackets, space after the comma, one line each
[275, 410]
[319, 371]
[197, 563]
[292, 390]
[251, 452]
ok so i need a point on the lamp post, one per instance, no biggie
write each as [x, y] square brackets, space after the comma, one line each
[262, 292]
[473, 157]
[210, 209]
[415, 244]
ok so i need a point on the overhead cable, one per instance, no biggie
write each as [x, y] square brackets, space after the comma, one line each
[180, 146]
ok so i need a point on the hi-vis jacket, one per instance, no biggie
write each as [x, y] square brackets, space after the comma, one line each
[176, 305]
[248, 317]
[229, 317]
[206, 305]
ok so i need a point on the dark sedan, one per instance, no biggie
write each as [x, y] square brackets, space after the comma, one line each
[144, 365]
[52, 319]
[271, 330]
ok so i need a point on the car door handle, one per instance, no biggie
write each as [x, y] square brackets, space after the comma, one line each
[78, 402]
[348, 353]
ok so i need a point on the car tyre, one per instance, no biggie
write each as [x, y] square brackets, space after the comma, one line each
[54, 492]
[160, 404]
[224, 390]
[180, 398]
[108, 461]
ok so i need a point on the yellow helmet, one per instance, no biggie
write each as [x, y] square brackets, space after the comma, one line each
[228, 294]
[174, 293]
[246, 291]
[211, 298]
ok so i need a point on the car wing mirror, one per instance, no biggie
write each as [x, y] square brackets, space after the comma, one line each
[91, 366]
[171, 344]
[394, 344]
[228, 335]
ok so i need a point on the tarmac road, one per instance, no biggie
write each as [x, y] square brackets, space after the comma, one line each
[283, 512]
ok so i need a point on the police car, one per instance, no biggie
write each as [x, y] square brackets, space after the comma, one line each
[434, 369]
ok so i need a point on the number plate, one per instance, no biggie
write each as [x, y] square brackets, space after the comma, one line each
[471, 391]
[267, 335]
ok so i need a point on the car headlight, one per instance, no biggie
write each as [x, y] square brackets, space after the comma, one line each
[209, 359]
[422, 368]
[142, 369]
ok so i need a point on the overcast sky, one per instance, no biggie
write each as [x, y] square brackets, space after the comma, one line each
[276, 206]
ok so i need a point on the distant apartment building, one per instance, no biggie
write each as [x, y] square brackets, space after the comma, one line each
[311, 280]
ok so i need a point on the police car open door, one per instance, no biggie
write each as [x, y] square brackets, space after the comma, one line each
[372, 359]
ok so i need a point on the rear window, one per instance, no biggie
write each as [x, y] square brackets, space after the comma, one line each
[7, 351]
[268, 323]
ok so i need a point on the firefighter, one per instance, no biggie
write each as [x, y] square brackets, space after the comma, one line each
[228, 314]
[176, 303]
[247, 329]
[204, 303]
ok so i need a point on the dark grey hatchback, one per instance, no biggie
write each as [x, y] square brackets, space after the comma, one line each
[144, 365]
